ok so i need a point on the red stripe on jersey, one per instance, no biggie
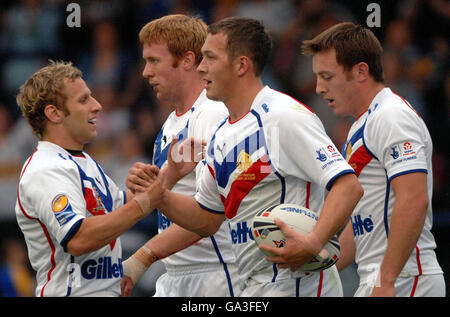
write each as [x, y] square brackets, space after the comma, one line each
[18, 195]
[296, 100]
[44, 228]
[211, 171]
[404, 100]
[308, 194]
[319, 289]
[52, 256]
[359, 159]
[243, 184]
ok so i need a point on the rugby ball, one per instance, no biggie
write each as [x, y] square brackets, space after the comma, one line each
[300, 219]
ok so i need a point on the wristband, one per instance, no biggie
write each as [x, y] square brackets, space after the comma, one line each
[143, 256]
[133, 268]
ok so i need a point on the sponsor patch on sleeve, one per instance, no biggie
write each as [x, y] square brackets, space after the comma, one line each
[403, 151]
[62, 209]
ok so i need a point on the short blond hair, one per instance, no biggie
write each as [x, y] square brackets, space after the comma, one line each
[45, 87]
[181, 33]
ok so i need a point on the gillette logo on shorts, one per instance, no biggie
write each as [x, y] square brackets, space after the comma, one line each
[102, 268]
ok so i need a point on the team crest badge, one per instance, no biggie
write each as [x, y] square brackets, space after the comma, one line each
[349, 151]
[244, 161]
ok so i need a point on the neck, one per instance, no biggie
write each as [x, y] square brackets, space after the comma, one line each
[192, 87]
[59, 138]
[366, 97]
[241, 101]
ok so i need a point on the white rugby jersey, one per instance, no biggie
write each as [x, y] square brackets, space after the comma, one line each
[388, 140]
[56, 192]
[277, 153]
[199, 122]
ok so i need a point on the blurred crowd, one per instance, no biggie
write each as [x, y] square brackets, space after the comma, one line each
[414, 34]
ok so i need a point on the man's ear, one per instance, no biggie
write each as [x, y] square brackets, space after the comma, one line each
[242, 65]
[188, 60]
[53, 114]
[361, 71]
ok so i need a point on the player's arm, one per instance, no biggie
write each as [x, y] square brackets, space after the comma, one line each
[347, 247]
[338, 206]
[408, 218]
[162, 245]
[96, 232]
[187, 213]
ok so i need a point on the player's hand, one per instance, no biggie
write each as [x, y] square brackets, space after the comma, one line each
[182, 158]
[126, 286]
[141, 176]
[156, 191]
[295, 252]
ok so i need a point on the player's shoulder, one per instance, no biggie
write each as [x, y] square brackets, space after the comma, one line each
[274, 107]
[48, 160]
[208, 113]
[388, 106]
[210, 107]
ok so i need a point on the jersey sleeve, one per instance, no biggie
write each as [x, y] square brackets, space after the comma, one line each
[204, 123]
[395, 137]
[208, 196]
[306, 151]
[203, 126]
[54, 196]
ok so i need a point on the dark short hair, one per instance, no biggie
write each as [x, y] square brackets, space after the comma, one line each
[247, 37]
[353, 44]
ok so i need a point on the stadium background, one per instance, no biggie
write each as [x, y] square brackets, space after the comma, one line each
[414, 34]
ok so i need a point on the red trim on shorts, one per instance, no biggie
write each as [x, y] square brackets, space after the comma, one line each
[416, 280]
[419, 268]
[319, 290]
[419, 265]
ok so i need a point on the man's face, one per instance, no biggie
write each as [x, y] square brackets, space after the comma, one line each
[336, 85]
[215, 68]
[162, 71]
[82, 110]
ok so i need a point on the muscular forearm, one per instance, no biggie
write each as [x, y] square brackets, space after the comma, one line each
[96, 232]
[338, 206]
[172, 240]
[347, 252]
[406, 225]
[187, 213]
